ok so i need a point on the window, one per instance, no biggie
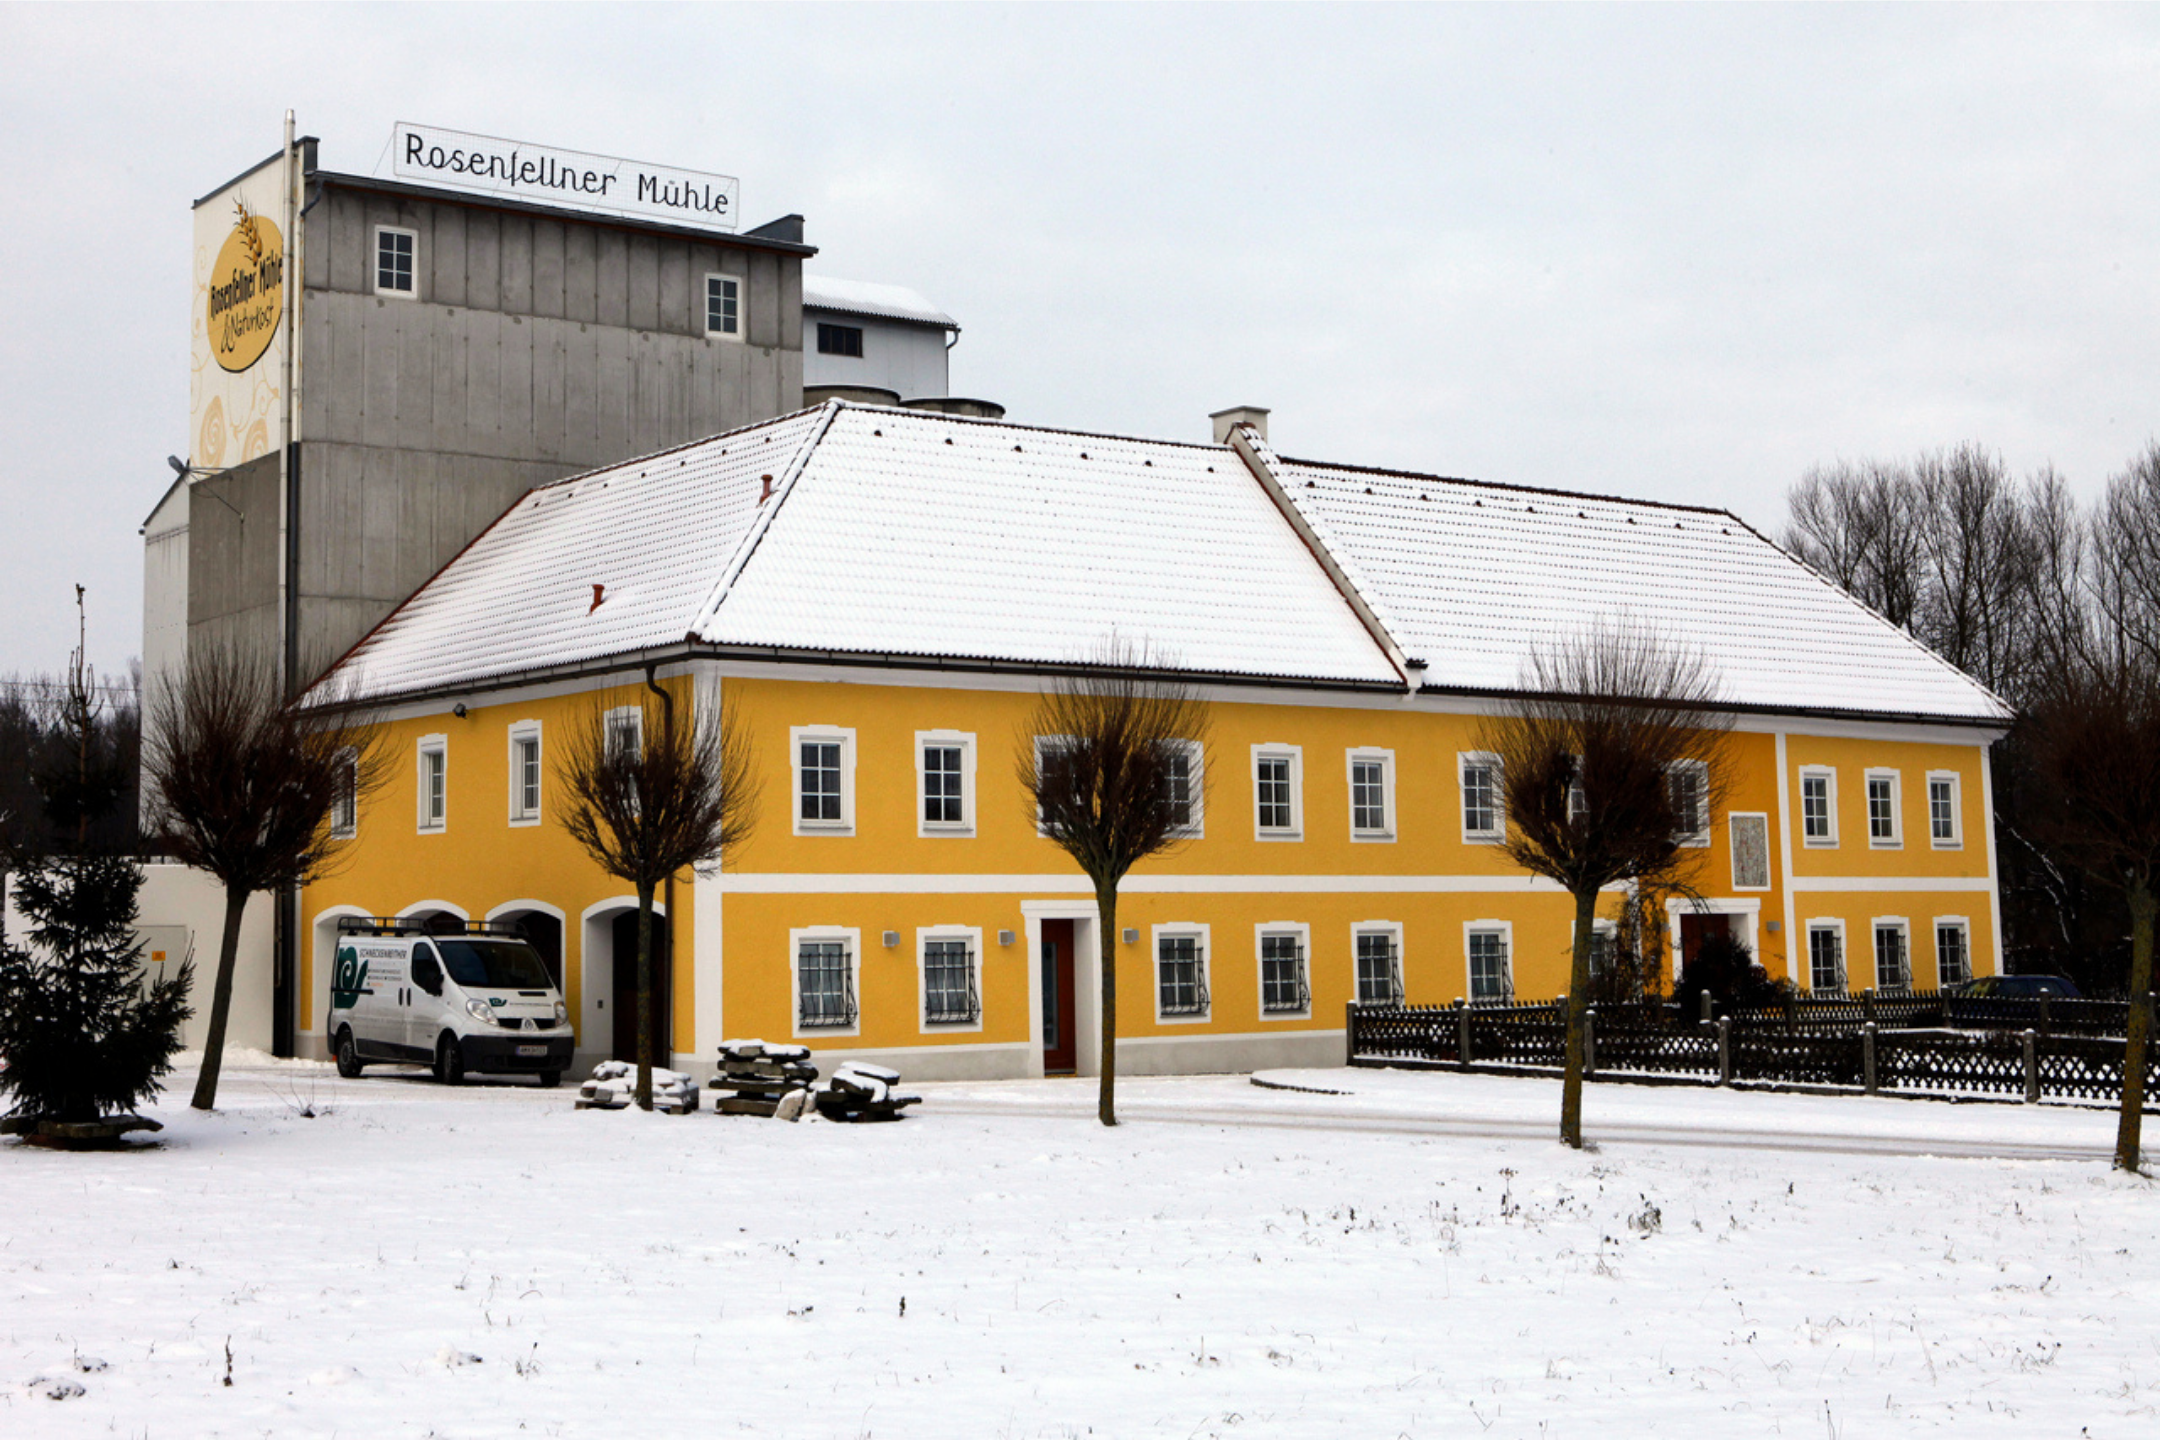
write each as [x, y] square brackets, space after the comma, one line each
[1481, 818]
[394, 251]
[945, 780]
[1372, 794]
[625, 731]
[1284, 989]
[1953, 951]
[1490, 982]
[824, 983]
[1687, 787]
[949, 993]
[1818, 807]
[525, 773]
[839, 339]
[1277, 781]
[1882, 809]
[1750, 850]
[1943, 830]
[824, 781]
[723, 306]
[1893, 961]
[345, 796]
[1181, 975]
[434, 772]
[1187, 789]
[1379, 966]
[1604, 947]
[1826, 957]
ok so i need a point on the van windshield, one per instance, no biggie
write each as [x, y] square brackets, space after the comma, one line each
[494, 964]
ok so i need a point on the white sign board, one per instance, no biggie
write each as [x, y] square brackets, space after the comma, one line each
[513, 170]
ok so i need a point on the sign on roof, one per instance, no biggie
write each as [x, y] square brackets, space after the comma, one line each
[513, 170]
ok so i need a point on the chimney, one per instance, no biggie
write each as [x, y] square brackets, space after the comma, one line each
[1236, 415]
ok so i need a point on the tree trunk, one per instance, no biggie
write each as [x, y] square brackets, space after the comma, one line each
[206, 1082]
[644, 996]
[2137, 1035]
[1578, 1005]
[1106, 932]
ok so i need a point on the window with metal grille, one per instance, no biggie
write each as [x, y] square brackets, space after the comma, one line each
[1942, 809]
[1815, 807]
[1892, 970]
[525, 776]
[1181, 976]
[723, 305]
[1750, 851]
[949, 995]
[819, 781]
[1368, 796]
[824, 984]
[345, 797]
[394, 261]
[1953, 955]
[1489, 979]
[1688, 788]
[1480, 798]
[839, 339]
[1180, 771]
[1881, 808]
[1826, 958]
[1283, 988]
[1379, 969]
[1272, 778]
[943, 801]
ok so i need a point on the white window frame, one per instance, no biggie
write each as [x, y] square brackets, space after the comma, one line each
[346, 797]
[375, 262]
[823, 933]
[973, 935]
[1506, 929]
[1876, 925]
[427, 822]
[1385, 835]
[1733, 846]
[630, 717]
[520, 732]
[1699, 837]
[823, 734]
[1963, 925]
[1393, 930]
[1828, 775]
[1196, 782]
[1484, 760]
[1955, 840]
[1808, 928]
[737, 333]
[1303, 932]
[1896, 838]
[960, 740]
[1201, 932]
[1044, 744]
[1295, 754]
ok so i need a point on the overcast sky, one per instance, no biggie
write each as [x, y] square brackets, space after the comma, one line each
[1682, 253]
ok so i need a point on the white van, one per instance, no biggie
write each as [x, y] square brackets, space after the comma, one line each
[474, 999]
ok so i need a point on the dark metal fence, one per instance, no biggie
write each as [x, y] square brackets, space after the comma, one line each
[1911, 1043]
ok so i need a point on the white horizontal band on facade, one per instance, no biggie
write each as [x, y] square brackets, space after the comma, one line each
[785, 884]
[1887, 883]
[924, 1044]
[1212, 1038]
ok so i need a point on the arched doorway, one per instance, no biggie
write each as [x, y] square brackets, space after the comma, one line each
[542, 931]
[624, 992]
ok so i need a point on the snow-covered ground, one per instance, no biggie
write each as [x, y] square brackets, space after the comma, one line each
[1415, 1257]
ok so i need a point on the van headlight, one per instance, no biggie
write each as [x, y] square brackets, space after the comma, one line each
[479, 1010]
[562, 1013]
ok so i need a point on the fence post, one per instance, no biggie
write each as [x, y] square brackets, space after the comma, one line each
[1867, 1004]
[2032, 1067]
[1706, 1007]
[1349, 1032]
[1724, 1050]
[2045, 1029]
[1868, 1075]
[1792, 1011]
[1462, 1034]
[1589, 1041]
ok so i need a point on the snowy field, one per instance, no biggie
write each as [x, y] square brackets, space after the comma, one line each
[1416, 1257]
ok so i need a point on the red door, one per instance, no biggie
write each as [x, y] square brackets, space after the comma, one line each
[1696, 928]
[1060, 1049]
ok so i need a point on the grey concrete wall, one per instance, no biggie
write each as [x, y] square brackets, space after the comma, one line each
[232, 555]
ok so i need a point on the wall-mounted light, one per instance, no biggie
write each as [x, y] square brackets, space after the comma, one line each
[458, 710]
[892, 939]
[1132, 936]
[1005, 937]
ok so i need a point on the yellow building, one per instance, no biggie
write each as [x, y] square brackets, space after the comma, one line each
[879, 596]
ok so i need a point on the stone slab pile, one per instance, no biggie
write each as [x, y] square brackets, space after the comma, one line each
[756, 1077]
[613, 1086]
[859, 1092]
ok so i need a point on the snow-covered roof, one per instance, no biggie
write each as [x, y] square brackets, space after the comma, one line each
[861, 297]
[872, 532]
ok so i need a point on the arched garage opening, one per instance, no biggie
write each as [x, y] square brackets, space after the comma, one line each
[541, 926]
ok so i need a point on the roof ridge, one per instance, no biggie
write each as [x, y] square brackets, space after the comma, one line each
[1509, 486]
[652, 455]
[747, 546]
[928, 415]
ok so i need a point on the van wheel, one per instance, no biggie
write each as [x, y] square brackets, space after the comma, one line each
[348, 1056]
[449, 1061]
[549, 1079]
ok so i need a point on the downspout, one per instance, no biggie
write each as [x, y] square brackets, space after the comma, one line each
[667, 711]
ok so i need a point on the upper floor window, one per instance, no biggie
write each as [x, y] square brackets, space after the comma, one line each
[525, 773]
[1181, 774]
[945, 765]
[1372, 795]
[1276, 782]
[1481, 817]
[1284, 989]
[839, 339]
[824, 780]
[434, 776]
[1379, 966]
[1826, 957]
[1818, 807]
[1943, 830]
[394, 255]
[723, 306]
[345, 796]
[1688, 787]
[1491, 982]
[1181, 987]
[1882, 808]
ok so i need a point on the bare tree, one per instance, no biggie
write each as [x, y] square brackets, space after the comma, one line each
[247, 787]
[1107, 763]
[652, 793]
[1856, 524]
[1617, 760]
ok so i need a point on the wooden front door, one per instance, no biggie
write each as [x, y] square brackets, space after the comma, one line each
[623, 998]
[1061, 1051]
[1696, 928]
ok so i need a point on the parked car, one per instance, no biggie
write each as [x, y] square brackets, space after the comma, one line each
[477, 999]
[2007, 1001]
[2017, 987]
